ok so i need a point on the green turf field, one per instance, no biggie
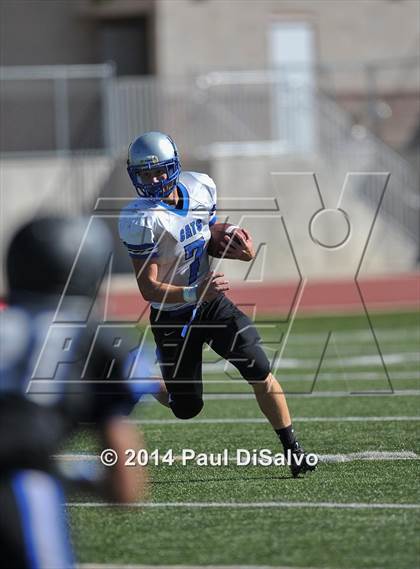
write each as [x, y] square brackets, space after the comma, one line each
[357, 511]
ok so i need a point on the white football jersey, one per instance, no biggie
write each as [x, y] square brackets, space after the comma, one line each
[176, 238]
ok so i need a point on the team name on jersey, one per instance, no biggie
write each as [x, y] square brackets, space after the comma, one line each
[190, 229]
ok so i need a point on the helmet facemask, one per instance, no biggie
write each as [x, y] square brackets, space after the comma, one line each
[160, 189]
[153, 151]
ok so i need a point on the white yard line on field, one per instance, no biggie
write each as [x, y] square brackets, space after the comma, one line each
[327, 458]
[348, 376]
[339, 376]
[244, 505]
[360, 336]
[255, 420]
[372, 360]
[345, 349]
[369, 455]
[314, 394]
[119, 566]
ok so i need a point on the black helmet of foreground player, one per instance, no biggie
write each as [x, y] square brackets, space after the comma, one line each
[48, 257]
[59, 263]
[56, 255]
[52, 263]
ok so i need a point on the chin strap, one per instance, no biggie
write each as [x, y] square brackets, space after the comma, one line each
[164, 194]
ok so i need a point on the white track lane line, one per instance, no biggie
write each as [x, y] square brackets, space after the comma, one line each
[252, 505]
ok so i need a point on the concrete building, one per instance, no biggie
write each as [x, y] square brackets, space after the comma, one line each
[363, 52]
[246, 87]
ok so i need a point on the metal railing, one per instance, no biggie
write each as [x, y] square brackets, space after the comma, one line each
[55, 108]
[56, 118]
[357, 149]
[285, 111]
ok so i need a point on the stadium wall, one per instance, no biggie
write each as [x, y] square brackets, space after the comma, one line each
[288, 239]
[234, 35]
[44, 185]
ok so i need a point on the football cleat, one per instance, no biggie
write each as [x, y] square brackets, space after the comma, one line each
[299, 463]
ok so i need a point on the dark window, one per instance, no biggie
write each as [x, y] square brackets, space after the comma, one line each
[126, 42]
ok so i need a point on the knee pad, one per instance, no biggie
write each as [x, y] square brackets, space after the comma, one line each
[186, 407]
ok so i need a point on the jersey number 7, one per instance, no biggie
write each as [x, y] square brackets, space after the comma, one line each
[194, 250]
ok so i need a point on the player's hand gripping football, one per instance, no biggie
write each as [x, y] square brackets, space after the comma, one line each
[238, 245]
[212, 285]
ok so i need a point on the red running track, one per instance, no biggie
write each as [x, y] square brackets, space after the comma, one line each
[380, 293]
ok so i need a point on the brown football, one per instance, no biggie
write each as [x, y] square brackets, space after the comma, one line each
[218, 232]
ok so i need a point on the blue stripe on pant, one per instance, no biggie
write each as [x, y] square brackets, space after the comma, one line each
[40, 502]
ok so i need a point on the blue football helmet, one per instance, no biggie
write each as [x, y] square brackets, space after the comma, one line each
[150, 151]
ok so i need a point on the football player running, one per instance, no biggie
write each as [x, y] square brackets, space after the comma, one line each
[46, 390]
[167, 230]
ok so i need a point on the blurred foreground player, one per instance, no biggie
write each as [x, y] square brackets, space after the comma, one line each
[167, 231]
[44, 335]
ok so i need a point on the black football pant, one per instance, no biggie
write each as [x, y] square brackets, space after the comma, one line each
[180, 336]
